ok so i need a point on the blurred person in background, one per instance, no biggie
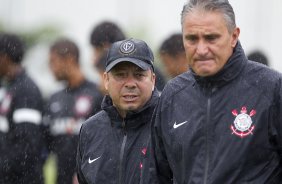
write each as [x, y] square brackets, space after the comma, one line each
[21, 106]
[258, 56]
[103, 35]
[112, 143]
[68, 108]
[172, 55]
[101, 67]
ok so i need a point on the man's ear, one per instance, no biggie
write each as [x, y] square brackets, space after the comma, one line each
[153, 80]
[106, 80]
[235, 36]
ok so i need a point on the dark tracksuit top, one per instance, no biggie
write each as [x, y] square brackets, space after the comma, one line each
[66, 111]
[21, 107]
[112, 149]
[221, 129]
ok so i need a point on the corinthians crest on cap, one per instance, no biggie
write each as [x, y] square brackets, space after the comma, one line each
[243, 123]
[127, 47]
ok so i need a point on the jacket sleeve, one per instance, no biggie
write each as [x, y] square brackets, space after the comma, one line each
[276, 118]
[47, 121]
[159, 159]
[26, 136]
[80, 176]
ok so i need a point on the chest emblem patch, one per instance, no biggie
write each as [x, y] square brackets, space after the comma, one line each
[82, 105]
[242, 125]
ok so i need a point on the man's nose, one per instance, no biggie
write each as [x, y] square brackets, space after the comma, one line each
[202, 48]
[130, 81]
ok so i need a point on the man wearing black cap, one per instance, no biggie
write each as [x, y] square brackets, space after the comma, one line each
[112, 143]
[102, 37]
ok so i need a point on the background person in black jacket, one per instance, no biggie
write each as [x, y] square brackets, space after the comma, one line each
[173, 57]
[113, 143]
[220, 122]
[68, 108]
[258, 56]
[21, 107]
[103, 36]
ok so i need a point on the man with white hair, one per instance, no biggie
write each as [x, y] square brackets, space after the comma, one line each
[220, 122]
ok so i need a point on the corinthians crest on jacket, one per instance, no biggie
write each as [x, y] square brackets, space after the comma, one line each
[242, 125]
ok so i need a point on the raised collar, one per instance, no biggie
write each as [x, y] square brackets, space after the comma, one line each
[230, 71]
[134, 118]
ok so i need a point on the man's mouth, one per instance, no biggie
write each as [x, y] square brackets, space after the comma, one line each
[129, 98]
[203, 59]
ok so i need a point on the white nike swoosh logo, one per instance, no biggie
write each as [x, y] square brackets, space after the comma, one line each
[90, 161]
[178, 125]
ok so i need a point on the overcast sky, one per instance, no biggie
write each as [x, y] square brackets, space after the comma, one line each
[153, 20]
[259, 20]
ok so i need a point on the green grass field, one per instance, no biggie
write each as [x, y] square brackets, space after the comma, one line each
[50, 170]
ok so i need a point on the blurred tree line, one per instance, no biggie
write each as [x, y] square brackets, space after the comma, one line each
[33, 36]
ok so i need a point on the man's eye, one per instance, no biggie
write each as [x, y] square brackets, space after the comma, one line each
[191, 38]
[211, 37]
[120, 74]
[139, 75]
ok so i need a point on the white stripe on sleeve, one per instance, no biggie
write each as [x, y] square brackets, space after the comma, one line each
[4, 125]
[27, 115]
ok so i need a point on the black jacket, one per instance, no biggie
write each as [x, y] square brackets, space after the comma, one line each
[66, 110]
[111, 149]
[21, 111]
[220, 129]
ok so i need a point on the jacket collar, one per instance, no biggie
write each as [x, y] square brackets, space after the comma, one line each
[230, 71]
[134, 118]
[18, 76]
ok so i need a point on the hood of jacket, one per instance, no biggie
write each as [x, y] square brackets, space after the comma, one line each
[230, 70]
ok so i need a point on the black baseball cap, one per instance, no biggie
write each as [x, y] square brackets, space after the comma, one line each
[130, 50]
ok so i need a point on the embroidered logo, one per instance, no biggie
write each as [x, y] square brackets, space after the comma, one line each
[83, 105]
[93, 160]
[242, 125]
[127, 47]
[179, 124]
[143, 151]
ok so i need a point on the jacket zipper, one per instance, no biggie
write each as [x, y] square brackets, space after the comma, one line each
[122, 154]
[207, 135]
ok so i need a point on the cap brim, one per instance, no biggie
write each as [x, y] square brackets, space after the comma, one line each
[142, 64]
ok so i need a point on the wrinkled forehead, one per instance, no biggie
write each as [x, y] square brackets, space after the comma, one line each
[208, 19]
